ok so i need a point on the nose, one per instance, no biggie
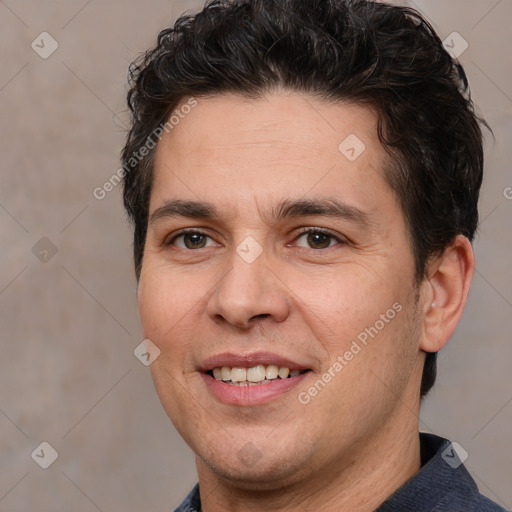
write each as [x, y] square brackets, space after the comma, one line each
[248, 293]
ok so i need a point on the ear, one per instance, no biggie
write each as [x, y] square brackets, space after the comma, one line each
[445, 293]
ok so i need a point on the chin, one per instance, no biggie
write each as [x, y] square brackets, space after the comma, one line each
[249, 469]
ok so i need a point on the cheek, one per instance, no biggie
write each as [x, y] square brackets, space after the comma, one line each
[340, 306]
[165, 305]
[370, 369]
[166, 320]
[368, 321]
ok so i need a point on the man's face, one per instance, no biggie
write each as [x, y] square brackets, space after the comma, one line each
[295, 256]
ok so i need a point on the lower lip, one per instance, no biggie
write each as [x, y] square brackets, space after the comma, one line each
[251, 395]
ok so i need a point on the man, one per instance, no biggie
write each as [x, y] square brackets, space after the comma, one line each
[303, 178]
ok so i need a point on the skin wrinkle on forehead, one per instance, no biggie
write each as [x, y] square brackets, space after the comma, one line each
[314, 150]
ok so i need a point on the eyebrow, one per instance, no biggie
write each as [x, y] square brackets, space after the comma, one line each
[287, 208]
[328, 207]
[181, 208]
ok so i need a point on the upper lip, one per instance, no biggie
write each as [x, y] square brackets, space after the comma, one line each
[248, 360]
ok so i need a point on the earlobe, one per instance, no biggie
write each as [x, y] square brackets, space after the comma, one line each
[446, 292]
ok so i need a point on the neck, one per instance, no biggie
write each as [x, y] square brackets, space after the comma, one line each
[365, 477]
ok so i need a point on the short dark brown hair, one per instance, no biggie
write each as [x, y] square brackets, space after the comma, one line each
[384, 56]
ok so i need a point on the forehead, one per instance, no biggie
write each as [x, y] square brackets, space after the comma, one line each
[282, 144]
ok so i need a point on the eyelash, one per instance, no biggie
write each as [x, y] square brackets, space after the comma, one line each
[302, 232]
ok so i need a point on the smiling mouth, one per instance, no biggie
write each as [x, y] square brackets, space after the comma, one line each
[253, 376]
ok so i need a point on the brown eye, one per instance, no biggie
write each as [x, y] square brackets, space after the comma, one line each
[319, 240]
[315, 239]
[192, 240]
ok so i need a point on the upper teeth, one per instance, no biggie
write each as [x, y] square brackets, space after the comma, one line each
[255, 374]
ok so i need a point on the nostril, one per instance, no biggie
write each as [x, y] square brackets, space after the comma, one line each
[262, 315]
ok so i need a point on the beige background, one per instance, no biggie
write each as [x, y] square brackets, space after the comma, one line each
[69, 325]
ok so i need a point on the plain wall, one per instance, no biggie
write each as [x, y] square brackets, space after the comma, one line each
[69, 324]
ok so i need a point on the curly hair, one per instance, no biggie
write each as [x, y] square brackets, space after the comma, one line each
[376, 54]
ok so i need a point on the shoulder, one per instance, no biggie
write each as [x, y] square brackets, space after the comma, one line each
[192, 503]
[446, 470]
[456, 502]
[443, 484]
